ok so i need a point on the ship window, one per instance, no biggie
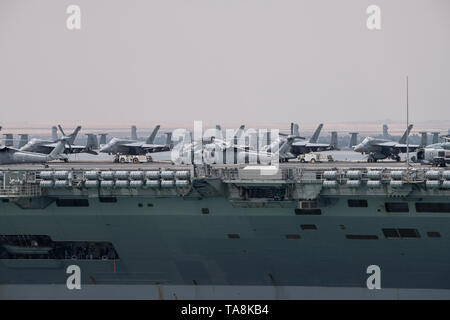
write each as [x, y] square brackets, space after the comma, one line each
[308, 227]
[5, 200]
[292, 236]
[443, 207]
[356, 203]
[409, 233]
[433, 234]
[108, 199]
[361, 237]
[149, 204]
[308, 211]
[72, 202]
[205, 210]
[140, 205]
[233, 236]
[396, 207]
[391, 233]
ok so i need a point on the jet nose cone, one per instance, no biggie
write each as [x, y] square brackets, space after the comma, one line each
[357, 148]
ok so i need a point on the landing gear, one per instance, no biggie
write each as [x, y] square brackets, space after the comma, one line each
[371, 159]
[397, 158]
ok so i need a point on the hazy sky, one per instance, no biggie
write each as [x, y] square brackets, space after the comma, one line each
[223, 61]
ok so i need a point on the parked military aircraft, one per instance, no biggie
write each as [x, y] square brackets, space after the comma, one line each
[134, 147]
[436, 153]
[379, 149]
[302, 147]
[45, 146]
[11, 155]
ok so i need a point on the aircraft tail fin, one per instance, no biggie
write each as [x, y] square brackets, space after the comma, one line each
[239, 132]
[294, 129]
[92, 142]
[54, 133]
[424, 139]
[59, 148]
[385, 131]
[71, 137]
[169, 141]
[334, 140]
[353, 139]
[316, 134]
[23, 140]
[406, 134]
[103, 138]
[219, 134]
[133, 133]
[9, 140]
[152, 137]
[435, 137]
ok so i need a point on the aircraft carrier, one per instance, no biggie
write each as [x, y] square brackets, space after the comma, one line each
[162, 231]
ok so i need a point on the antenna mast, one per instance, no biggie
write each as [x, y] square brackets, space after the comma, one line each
[407, 124]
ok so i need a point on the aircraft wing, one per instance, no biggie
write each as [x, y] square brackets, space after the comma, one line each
[133, 144]
[299, 143]
[131, 148]
[151, 148]
[402, 147]
[317, 145]
[389, 144]
[399, 146]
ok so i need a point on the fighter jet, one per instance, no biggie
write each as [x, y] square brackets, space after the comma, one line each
[134, 147]
[45, 146]
[379, 149]
[302, 147]
[11, 155]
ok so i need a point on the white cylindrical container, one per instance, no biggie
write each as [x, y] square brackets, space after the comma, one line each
[46, 175]
[329, 184]
[136, 184]
[61, 183]
[46, 183]
[353, 174]
[396, 175]
[91, 184]
[136, 175]
[396, 183]
[167, 174]
[121, 175]
[122, 183]
[353, 183]
[433, 174]
[373, 184]
[152, 175]
[107, 175]
[374, 174]
[152, 183]
[181, 183]
[107, 184]
[61, 175]
[330, 175]
[182, 174]
[167, 183]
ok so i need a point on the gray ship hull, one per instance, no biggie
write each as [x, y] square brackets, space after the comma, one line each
[174, 247]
